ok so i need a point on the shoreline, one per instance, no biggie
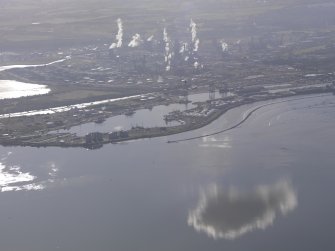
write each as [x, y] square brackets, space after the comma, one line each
[244, 119]
[155, 132]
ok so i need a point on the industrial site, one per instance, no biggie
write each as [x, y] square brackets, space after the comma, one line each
[179, 125]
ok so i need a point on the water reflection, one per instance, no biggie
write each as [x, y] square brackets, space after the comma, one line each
[232, 213]
[67, 108]
[12, 178]
[13, 89]
[214, 142]
[143, 118]
[46, 176]
[10, 67]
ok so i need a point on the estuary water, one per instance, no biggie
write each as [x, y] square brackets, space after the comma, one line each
[14, 89]
[144, 118]
[147, 118]
[10, 89]
[265, 185]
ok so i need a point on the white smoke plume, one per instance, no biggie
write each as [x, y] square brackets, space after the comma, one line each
[149, 39]
[195, 39]
[196, 65]
[193, 26]
[167, 55]
[196, 45]
[119, 35]
[224, 46]
[165, 36]
[136, 41]
[168, 61]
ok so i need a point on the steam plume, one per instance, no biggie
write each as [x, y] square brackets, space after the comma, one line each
[193, 26]
[196, 65]
[224, 46]
[167, 55]
[196, 45]
[149, 39]
[136, 41]
[195, 39]
[119, 35]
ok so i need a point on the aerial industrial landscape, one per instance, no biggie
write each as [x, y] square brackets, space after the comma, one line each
[124, 71]
[184, 125]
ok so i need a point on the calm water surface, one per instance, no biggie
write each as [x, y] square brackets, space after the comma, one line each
[266, 185]
[143, 118]
[13, 89]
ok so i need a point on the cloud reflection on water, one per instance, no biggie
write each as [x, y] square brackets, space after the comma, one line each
[213, 142]
[231, 213]
[10, 89]
[12, 178]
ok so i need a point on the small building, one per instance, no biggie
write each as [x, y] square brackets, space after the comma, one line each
[94, 138]
[118, 135]
[113, 135]
[124, 134]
